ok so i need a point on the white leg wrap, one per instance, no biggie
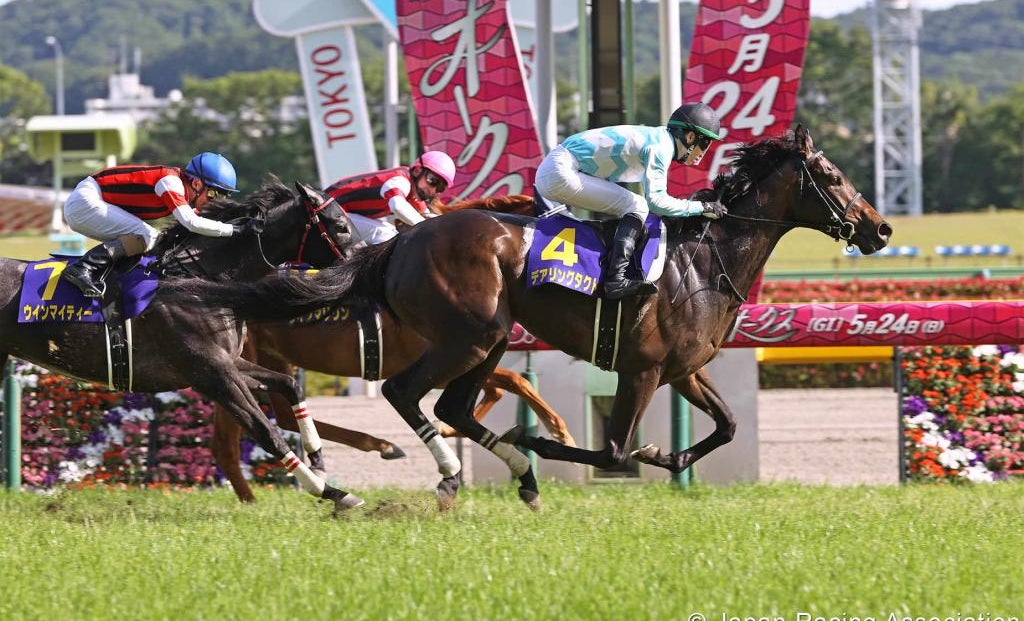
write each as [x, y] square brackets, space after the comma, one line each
[309, 481]
[307, 429]
[517, 462]
[447, 462]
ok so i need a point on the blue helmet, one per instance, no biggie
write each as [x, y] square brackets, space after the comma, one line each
[214, 170]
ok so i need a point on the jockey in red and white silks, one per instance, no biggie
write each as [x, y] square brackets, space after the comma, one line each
[375, 201]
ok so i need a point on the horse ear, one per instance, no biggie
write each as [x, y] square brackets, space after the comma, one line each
[304, 190]
[803, 139]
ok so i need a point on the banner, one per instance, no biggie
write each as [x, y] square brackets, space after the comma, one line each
[853, 324]
[470, 93]
[338, 118]
[746, 61]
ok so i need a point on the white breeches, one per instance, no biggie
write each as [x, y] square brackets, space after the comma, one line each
[559, 178]
[87, 213]
[371, 230]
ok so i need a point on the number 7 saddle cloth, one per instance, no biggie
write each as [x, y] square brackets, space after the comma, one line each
[47, 297]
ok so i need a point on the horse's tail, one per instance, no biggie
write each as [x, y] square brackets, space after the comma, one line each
[274, 298]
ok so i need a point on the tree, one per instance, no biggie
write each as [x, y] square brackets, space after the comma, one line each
[240, 116]
[946, 108]
[20, 99]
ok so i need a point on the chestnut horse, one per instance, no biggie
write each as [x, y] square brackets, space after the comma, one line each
[334, 348]
[461, 281]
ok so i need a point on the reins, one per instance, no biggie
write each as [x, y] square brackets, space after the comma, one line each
[837, 228]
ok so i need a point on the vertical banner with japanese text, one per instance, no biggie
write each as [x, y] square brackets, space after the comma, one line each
[470, 93]
[745, 62]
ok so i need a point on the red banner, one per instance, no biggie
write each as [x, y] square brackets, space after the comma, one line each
[470, 93]
[893, 323]
[745, 63]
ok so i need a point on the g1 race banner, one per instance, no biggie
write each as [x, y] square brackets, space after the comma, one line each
[851, 324]
[746, 62]
[470, 93]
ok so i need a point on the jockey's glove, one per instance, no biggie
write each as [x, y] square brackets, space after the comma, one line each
[714, 210]
[249, 226]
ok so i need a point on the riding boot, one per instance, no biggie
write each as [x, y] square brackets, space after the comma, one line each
[88, 272]
[616, 284]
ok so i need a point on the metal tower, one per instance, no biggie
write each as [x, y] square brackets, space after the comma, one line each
[897, 89]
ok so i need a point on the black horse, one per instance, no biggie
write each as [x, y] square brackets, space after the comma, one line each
[176, 345]
[461, 282]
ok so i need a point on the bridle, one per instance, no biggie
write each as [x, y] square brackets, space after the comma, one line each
[313, 215]
[838, 228]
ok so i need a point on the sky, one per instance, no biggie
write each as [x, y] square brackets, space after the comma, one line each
[831, 8]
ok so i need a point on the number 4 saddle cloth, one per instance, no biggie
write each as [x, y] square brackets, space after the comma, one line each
[571, 253]
[47, 297]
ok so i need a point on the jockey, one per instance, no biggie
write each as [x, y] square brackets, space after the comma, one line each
[374, 201]
[584, 169]
[113, 204]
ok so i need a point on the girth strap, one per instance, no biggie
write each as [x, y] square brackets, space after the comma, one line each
[607, 321]
[119, 341]
[371, 342]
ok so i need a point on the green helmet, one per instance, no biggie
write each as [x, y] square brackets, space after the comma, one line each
[698, 117]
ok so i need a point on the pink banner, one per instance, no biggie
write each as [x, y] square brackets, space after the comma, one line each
[746, 61]
[895, 323]
[470, 93]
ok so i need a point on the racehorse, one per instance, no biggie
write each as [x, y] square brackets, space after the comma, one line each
[334, 348]
[173, 345]
[461, 282]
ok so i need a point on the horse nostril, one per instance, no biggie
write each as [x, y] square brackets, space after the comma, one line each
[884, 231]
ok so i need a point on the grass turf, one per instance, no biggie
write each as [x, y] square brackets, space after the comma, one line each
[615, 551]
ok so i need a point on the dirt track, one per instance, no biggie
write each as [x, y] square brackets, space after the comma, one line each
[840, 437]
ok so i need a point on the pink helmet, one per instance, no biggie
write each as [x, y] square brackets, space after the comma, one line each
[440, 163]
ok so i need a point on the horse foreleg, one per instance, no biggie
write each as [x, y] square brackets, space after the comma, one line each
[491, 395]
[349, 437]
[517, 384]
[230, 389]
[700, 392]
[227, 454]
[285, 385]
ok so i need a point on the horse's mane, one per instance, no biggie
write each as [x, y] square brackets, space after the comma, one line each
[257, 203]
[521, 204]
[751, 163]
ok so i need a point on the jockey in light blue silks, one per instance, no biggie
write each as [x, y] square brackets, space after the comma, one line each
[584, 169]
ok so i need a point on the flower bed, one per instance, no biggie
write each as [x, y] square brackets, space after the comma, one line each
[963, 413]
[82, 436]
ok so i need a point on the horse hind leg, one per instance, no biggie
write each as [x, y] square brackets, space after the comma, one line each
[515, 383]
[455, 408]
[699, 391]
[349, 437]
[224, 444]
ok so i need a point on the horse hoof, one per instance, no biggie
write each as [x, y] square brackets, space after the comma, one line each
[392, 452]
[530, 497]
[447, 490]
[316, 462]
[346, 502]
[646, 454]
[513, 435]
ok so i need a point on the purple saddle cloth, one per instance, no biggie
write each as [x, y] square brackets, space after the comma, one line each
[46, 297]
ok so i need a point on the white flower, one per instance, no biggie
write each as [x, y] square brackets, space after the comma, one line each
[924, 420]
[957, 458]
[985, 350]
[69, 472]
[170, 397]
[931, 438]
[1013, 359]
[977, 474]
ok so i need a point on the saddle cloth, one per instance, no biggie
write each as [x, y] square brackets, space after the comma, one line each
[46, 297]
[569, 252]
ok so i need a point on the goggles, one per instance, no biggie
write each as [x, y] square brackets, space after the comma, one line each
[434, 180]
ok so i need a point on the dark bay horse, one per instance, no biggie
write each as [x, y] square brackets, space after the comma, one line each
[334, 348]
[460, 281]
[176, 345]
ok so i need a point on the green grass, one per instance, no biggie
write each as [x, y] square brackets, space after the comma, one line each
[616, 551]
